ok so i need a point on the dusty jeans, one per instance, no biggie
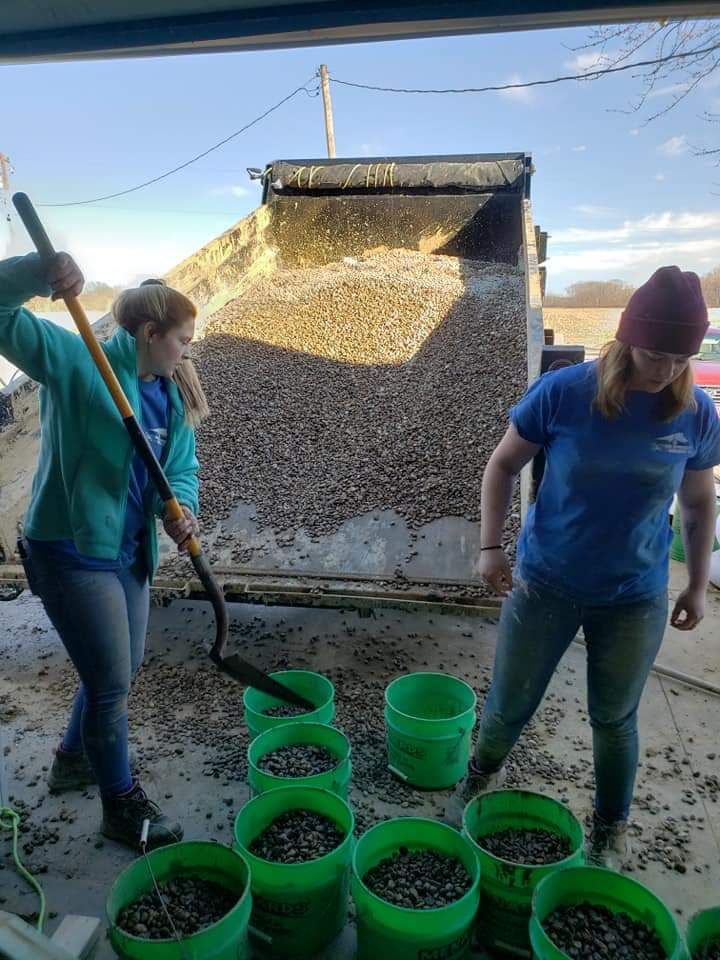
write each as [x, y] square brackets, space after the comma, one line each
[101, 617]
[536, 628]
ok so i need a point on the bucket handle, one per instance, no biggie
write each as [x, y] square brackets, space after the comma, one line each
[258, 934]
[397, 772]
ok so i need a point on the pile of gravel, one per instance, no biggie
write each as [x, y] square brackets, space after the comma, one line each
[192, 903]
[360, 386]
[527, 846]
[298, 760]
[418, 880]
[591, 932]
[297, 836]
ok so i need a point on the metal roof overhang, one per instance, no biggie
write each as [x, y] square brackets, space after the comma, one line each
[44, 30]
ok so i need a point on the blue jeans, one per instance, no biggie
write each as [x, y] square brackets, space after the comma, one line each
[101, 617]
[536, 628]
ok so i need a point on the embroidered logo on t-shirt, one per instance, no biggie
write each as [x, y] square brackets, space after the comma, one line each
[672, 443]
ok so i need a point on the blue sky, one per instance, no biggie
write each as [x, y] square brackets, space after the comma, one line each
[618, 198]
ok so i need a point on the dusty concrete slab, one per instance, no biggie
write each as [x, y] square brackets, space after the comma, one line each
[186, 723]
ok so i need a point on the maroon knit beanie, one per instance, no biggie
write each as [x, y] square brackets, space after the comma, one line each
[667, 314]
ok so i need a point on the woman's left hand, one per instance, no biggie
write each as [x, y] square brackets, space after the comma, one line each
[184, 528]
[689, 609]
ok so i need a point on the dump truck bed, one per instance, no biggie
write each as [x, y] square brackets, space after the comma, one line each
[348, 437]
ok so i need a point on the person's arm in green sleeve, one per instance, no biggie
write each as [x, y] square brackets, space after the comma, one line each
[37, 347]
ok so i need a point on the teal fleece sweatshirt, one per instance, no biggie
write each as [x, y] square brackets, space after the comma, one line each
[81, 484]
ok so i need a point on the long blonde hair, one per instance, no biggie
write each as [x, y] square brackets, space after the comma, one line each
[615, 368]
[154, 302]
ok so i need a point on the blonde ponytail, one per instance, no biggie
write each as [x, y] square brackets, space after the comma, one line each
[154, 302]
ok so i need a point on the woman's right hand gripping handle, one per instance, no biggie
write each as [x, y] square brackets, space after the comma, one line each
[38, 348]
[64, 277]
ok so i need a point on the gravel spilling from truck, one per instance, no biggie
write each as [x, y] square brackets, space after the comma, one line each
[359, 386]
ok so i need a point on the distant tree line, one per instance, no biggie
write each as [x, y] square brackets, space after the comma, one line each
[95, 296]
[616, 293]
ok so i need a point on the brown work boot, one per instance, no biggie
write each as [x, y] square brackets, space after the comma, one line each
[123, 818]
[472, 785]
[608, 844]
[71, 770]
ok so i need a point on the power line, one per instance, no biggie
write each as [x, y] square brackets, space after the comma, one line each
[182, 166]
[587, 75]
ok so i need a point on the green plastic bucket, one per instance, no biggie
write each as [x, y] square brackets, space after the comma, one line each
[316, 688]
[385, 930]
[224, 940]
[336, 780]
[703, 929]
[606, 888]
[429, 718]
[506, 887]
[301, 906]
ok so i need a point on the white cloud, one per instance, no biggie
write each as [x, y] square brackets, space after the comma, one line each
[518, 94]
[634, 132]
[659, 176]
[581, 148]
[588, 60]
[368, 149]
[230, 190]
[592, 210]
[675, 146]
[598, 260]
[665, 223]
[669, 91]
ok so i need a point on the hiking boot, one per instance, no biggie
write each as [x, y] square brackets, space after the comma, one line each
[123, 818]
[72, 771]
[472, 785]
[608, 844]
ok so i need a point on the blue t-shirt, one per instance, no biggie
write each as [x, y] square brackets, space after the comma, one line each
[599, 529]
[154, 407]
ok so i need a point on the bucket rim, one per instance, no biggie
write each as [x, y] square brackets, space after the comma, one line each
[279, 675]
[556, 864]
[429, 673]
[430, 911]
[209, 844]
[587, 869]
[313, 776]
[712, 913]
[348, 839]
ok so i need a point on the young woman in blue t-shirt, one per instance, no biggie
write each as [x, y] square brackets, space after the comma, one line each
[621, 436]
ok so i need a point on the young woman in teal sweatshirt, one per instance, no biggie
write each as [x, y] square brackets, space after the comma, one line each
[90, 539]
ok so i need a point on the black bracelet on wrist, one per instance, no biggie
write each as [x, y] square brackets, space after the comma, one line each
[482, 549]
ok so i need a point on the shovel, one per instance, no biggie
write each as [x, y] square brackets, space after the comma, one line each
[234, 665]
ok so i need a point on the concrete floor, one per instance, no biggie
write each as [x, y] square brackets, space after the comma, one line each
[184, 716]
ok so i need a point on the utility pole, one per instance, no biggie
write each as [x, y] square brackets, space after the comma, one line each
[327, 103]
[4, 173]
[5, 193]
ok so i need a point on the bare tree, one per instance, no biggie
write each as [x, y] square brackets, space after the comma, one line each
[684, 54]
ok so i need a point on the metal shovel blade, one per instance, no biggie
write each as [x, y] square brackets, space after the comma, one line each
[249, 675]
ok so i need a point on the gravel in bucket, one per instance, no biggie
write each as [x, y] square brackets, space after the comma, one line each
[418, 880]
[193, 904]
[526, 846]
[297, 836]
[285, 710]
[591, 932]
[298, 760]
